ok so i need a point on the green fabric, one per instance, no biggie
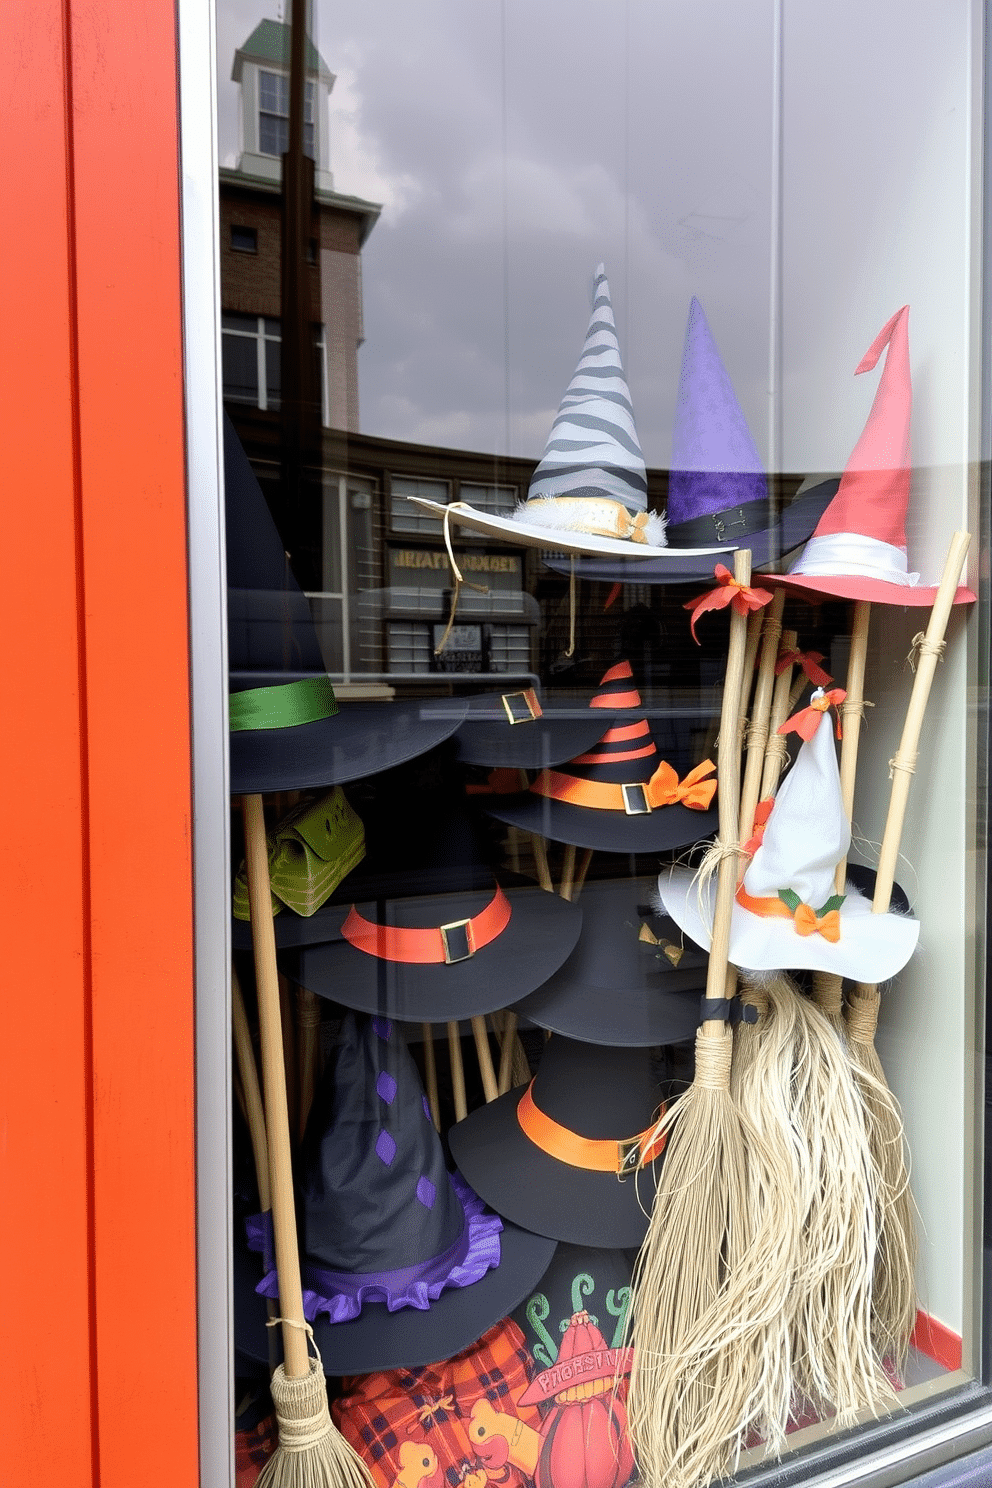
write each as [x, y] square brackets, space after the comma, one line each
[284, 706]
[312, 850]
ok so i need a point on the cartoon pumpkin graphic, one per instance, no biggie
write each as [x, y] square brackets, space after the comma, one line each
[584, 1435]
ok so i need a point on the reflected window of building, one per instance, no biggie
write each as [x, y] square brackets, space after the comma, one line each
[407, 518]
[273, 114]
[244, 239]
[500, 500]
[250, 352]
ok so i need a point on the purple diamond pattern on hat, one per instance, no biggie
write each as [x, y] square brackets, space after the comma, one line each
[426, 1192]
[715, 463]
[427, 1109]
[385, 1147]
[386, 1087]
[383, 1027]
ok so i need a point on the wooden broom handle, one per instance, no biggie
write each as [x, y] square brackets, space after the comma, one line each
[904, 761]
[294, 1341]
[484, 1055]
[254, 1110]
[760, 712]
[719, 976]
[851, 710]
[780, 712]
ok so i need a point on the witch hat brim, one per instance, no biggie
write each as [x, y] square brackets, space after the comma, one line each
[559, 733]
[737, 527]
[380, 1339]
[873, 591]
[526, 1185]
[605, 831]
[360, 739]
[616, 988]
[540, 935]
[527, 535]
[872, 948]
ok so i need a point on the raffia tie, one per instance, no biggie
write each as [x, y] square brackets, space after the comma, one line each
[715, 854]
[757, 735]
[713, 1056]
[862, 1016]
[777, 748]
[457, 580]
[922, 647]
[906, 763]
[850, 708]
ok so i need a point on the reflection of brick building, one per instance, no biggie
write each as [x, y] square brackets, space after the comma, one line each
[250, 235]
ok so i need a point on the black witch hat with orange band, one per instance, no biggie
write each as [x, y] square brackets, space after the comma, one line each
[620, 796]
[572, 1155]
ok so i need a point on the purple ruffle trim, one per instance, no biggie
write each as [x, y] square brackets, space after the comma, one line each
[341, 1295]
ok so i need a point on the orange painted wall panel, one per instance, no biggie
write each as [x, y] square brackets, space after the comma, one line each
[44, 1030]
[127, 237]
[96, 1013]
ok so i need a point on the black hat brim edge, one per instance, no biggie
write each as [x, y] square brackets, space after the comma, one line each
[795, 526]
[623, 1017]
[663, 830]
[380, 1339]
[532, 746]
[361, 739]
[530, 1188]
[541, 935]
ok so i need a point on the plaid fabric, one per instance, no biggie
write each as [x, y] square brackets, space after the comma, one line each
[252, 1450]
[411, 1426]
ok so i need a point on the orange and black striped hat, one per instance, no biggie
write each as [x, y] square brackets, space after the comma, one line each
[620, 795]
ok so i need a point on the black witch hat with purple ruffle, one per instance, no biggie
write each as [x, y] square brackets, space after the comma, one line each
[402, 1262]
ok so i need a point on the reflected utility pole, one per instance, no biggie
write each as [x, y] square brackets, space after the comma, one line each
[299, 406]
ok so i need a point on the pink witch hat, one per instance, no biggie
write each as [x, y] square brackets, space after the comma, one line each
[858, 549]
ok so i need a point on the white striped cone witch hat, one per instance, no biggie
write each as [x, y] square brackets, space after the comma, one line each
[589, 492]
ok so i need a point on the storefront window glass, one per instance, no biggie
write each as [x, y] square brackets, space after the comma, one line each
[532, 318]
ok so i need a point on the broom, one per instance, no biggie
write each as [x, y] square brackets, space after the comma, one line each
[311, 1453]
[895, 1289]
[702, 1289]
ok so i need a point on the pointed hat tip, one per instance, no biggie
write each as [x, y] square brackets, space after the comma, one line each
[898, 322]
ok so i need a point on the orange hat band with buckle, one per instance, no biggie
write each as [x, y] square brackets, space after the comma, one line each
[637, 799]
[595, 1155]
[436, 945]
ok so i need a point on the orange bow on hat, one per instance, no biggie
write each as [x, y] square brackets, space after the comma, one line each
[808, 660]
[808, 922]
[743, 598]
[806, 722]
[695, 791]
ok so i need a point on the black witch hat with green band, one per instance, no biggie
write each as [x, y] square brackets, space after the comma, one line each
[287, 730]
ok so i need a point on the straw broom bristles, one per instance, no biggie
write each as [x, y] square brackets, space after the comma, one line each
[713, 1272]
[894, 1309]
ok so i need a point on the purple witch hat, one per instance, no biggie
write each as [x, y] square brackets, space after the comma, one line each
[717, 487]
[716, 469]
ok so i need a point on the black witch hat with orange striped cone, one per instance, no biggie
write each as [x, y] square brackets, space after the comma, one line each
[620, 796]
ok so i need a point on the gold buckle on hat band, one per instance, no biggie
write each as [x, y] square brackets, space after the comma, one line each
[529, 700]
[466, 925]
[635, 800]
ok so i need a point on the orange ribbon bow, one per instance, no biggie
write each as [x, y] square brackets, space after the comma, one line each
[695, 791]
[762, 812]
[808, 660]
[728, 591]
[806, 722]
[808, 922]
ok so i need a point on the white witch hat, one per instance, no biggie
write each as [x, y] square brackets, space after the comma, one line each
[786, 914]
[589, 494]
